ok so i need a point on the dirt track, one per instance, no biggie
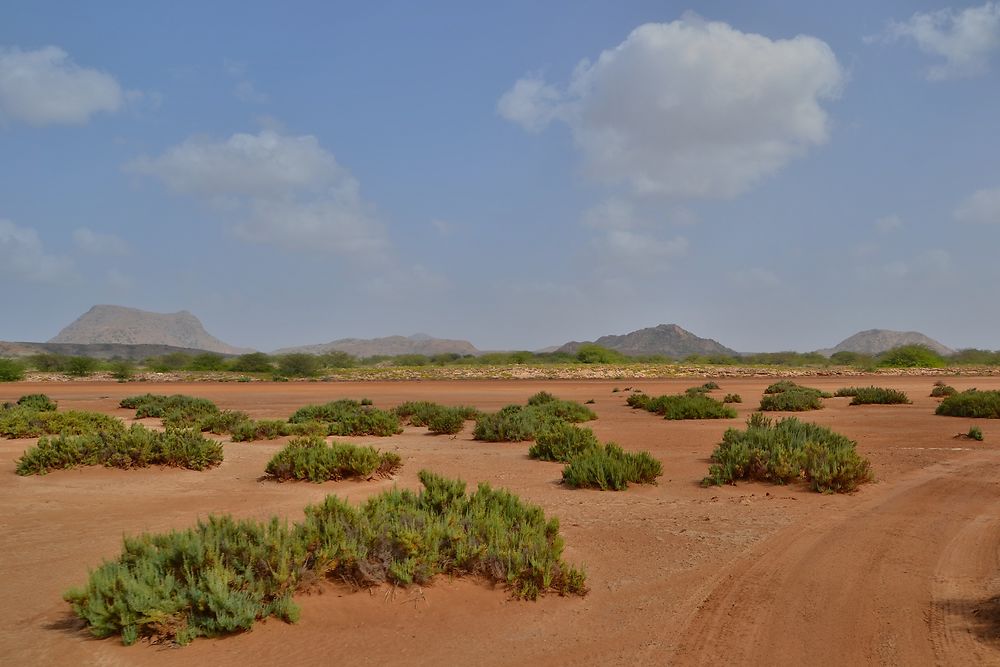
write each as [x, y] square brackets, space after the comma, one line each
[906, 571]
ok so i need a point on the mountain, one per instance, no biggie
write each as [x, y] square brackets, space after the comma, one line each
[94, 350]
[668, 340]
[131, 326]
[876, 341]
[388, 346]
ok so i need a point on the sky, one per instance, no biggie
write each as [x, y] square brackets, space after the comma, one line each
[774, 175]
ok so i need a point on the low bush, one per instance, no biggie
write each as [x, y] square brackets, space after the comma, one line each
[610, 468]
[39, 402]
[122, 370]
[561, 442]
[518, 423]
[788, 396]
[697, 391]
[448, 421]
[81, 366]
[224, 574]
[136, 447]
[732, 398]
[223, 422]
[785, 451]
[21, 422]
[348, 417]
[420, 413]
[254, 362]
[175, 410]
[710, 385]
[975, 433]
[971, 403]
[311, 458]
[682, 406]
[298, 364]
[875, 396]
[943, 391]
[11, 370]
[911, 356]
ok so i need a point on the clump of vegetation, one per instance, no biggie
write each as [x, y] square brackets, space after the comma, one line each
[11, 371]
[971, 403]
[448, 421]
[23, 422]
[122, 370]
[591, 353]
[786, 451]
[223, 575]
[518, 423]
[873, 395]
[710, 385]
[943, 391]
[136, 447]
[562, 442]
[610, 468]
[732, 398]
[254, 362]
[682, 406]
[177, 410]
[975, 433]
[39, 402]
[788, 396]
[349, 417]
[311, 458]
[911, 356]
[298, 364]
[422, 413]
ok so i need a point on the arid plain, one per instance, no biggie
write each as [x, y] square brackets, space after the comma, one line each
[904, 571]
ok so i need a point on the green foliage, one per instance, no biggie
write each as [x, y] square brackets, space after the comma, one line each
[911, 356]
[448, 421]
[562, 442]
[732, 398]
[786, 358]
[136, 447]
[610, 468]
[311, 458]
[207, 361]
[176, 410]
[11, 370]
[856, 359]
[23, 422]
[682, 406]
[710, 385]
[223, 575]
[122, 370]
[974, 357]
[591, 353]
[943, 391]
[975, 433]
[873, 395]
[253, 362]
[48, 363]
[337, 359]
[517, 423]
[80, 366]
[348, 417]
[971, 403]
[411, 360]
[788, 396]
[420, 413]
[39, 402]
[298, 364]
[785, 451]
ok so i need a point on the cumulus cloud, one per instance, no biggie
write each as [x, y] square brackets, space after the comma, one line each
[690, 108]
[23, 256]
[281, 190]
[96, 243]
[982, 207]
[45, 87]
[964, 39]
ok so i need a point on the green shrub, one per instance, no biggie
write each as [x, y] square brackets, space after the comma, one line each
[122, 370]
[732, 398]
[223, 422]
[846, 392]
[207, 361]
[943, 391]
[80, 366]
[697, 391]
[975, 433]
[420, 413]
[972, 403]
[254, 362]
[710, 385]
[178, 409]
[11, 371]
[857, 359]
[21, 422]
[561, 442]
[590, 353]
[447, 422]
[136, 447]
[541, 398]
[311, 458]
[877, 395]
[610, 468]
[517, 423]
[39, 402]
[263, 429]
[911, 356]
[348, 417]
[682, 406]
[785, 451]
[223, 575]
[173, 361]
[298, 364]
[794, 400]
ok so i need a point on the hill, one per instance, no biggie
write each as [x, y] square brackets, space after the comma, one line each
[93, 350]
[877, 341]
[388, 346]
[668, 340]
[130, 326]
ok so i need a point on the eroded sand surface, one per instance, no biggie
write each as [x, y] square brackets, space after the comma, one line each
[906, 571]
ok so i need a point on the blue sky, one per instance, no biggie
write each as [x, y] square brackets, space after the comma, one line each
[775, 175]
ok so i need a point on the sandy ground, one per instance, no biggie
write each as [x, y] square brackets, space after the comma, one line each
[904, 572]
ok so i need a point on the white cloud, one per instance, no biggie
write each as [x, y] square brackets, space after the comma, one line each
[45, 87]
[982, 207]
[965, 39]
[689, 108]
[23, 256]
[95, 243]
[281, 190]
[888, 223]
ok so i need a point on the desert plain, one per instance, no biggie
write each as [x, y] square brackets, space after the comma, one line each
[905, 571]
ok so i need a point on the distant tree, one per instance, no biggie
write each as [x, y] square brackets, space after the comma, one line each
[298, 364]
[207, 361]
[911, 356]
[11, 370]
[254, 362]
[80, 366]
[591, 353]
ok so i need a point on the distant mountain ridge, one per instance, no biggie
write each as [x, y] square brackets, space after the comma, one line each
[877, 341]
[668, 340]
[388, 346]
[137, 352]
[105, 324]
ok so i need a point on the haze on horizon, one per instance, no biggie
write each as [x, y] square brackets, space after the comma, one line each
[775, 176]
